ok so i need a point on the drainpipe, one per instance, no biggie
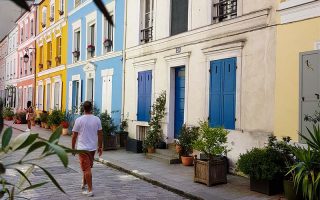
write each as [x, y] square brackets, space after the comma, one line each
[124, 57]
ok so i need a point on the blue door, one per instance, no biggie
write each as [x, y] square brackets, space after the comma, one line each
[144, 95]
[222, 93]
[179, 100]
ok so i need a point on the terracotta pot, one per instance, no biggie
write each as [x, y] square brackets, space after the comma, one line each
[187, 160]
[65, 131]
[151, 150]
[178, 148]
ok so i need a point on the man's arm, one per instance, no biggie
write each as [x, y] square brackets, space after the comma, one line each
[74, 139]
[100, 138]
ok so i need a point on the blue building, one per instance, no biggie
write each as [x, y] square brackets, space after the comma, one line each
[95, 62]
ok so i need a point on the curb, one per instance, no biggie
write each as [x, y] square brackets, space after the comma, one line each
[149, 180]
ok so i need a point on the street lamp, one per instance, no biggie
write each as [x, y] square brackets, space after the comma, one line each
[26, 55]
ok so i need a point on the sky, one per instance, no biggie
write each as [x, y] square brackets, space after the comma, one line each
[9, 13]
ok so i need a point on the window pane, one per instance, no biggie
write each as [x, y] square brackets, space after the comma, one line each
[179, 16]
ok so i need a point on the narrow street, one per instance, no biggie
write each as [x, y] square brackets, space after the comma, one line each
[108, 183]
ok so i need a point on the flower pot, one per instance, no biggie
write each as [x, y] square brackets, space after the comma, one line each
[107, 43]
[134, 145]
[65, 131]
[151, 150]
[268, 187]
[210, 172]
[290, 192]
[90, 49]
[76, 54]
[109, 142]
[178, 148]
[53, 127]
[187, 160]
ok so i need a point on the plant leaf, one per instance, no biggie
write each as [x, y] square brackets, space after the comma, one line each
[60, 152]
[24, 176]
[34, 147]
[19, 140]
[34, 186]
[6, 137]
[53, 138]
[53, 180]
[31, 138]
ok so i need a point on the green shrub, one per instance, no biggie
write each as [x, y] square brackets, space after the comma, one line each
[211, 141]
[56, 117]
[262, 164]
[107, 124]
[8, 112]
[188, 135]
[44, 117]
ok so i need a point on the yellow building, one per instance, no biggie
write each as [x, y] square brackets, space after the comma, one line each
[297, 66]
[51, 47]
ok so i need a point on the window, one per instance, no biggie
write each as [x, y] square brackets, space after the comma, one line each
[44, 17]
[144, 95]
[51, 12]
[57, 95]
[40, 97]
[41, 55]
[31, 60]
[26, 31]
[179, 16]
[30, 94]
[77, 3]
[48, 97]
[76, 42]
[21, 65]
[91, 41]
[61, 11]
[49, 53]
[90, 83]
[58, 50]
[147, 21]
[75, 94]
[108, 36]
[21, 38]
[31, 27]
[224, 10]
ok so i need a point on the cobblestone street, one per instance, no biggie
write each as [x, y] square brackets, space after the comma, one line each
[108, 183]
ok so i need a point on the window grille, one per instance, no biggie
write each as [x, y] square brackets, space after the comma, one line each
[224, 10]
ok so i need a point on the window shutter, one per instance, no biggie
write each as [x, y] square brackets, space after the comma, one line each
[179, 16]
[148, 91]
[141, 100]
[70, 96]
[215, 93]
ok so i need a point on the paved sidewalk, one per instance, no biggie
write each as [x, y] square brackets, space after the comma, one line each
[176, 178]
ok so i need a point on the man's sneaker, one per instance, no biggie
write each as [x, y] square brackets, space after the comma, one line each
[89, 194]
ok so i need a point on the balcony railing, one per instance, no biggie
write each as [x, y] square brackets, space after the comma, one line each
[224, 10]
[146, 35]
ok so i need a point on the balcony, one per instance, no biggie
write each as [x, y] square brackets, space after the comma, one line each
[146, 35]
[224, 10]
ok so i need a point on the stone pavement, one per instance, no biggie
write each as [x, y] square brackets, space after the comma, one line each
[176, 178]
[108, 183]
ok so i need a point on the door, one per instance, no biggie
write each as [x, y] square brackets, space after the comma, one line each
[222, 93]
[309, 87]
[179, 100]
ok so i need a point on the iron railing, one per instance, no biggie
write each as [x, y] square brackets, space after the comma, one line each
[146, 35]
[224, 10]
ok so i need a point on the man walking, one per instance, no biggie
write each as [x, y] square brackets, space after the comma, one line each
[87, 129]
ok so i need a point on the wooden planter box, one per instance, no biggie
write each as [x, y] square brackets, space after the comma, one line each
[134, 145]
[267, 187]
[210, 172]
[109, 142]
[123, 138]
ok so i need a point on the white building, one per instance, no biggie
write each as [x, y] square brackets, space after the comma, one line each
[11, 71]
[215, 61]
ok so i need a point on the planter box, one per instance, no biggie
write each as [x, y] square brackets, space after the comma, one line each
[161, 145]
[123, 138]
[266, 187]
[134, 145]
[290, 192]
[210, 172]
[109, 142]
[204, 157]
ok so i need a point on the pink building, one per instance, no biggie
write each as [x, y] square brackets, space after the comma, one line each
[3, 55]
[26, 66]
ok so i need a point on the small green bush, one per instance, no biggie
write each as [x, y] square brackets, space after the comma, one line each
[107, 124]
[262, 164]
[44, 117]
[186, 139]
[56, 117]
[8, 112]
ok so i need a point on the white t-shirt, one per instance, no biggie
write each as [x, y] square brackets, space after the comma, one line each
[87, 127]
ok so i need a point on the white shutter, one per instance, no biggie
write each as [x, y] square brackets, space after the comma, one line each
[70, 96]
[109, 93]
[79, 92]
[37, 96]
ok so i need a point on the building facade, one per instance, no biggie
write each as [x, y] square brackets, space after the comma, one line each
[11, 76]
[26, 47]
[51, 56]
[95, 64]
[297, 73]
[3, 55]
[210, 59]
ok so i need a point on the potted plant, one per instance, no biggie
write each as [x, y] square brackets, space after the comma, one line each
[44, 119]
[123, 134]
[38, 121]
[186, 138]
[108, 128]
[76, 53]
[55, 119]
[21, 117]
[154, 133]
[8, 113]
[90, 48]
[61, 12]
[212, 142]
[65, 126]
[107, 43]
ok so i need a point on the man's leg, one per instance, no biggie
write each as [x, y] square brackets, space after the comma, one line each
[88, 177]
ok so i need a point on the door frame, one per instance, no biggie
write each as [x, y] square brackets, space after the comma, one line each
[173, 62]
[230, 50]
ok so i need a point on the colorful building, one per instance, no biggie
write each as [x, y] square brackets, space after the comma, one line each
[297, 72]
[212, 62]
[3, 55]
[51, 55]
[94, 54]
[26, 49]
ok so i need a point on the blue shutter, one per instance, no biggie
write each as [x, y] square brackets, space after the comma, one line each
[141, 83]
[148, 90]
[215, 118]
[144, 95]
[229, 92]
